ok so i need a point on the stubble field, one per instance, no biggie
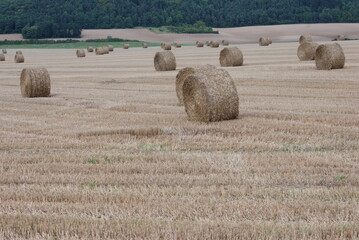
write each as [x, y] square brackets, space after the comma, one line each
[112, 155]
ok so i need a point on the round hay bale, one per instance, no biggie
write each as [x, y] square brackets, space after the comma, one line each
[2, 57]
[306, 51]
[184, 73]
[199, 44]
[163, 44]
[106, 50]
[110, 48]
[165, 61]
[210, 96]
[340, 37]
[35, 82]
[264, 41]
[215, 44]
[89, 49]
[144, 45]
[126, 46]
[177, 45]
[167, 46]
[99, 51]
[208, 43]
[231, 57]
[305, 38]
[4, 51]
[19, 58]
[329, 56]
[225, 42]
[18, 52]
[80, 53]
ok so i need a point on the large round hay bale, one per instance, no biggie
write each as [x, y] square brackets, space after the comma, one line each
[305, 38]
[184, 73]
[110, 48]
[215, 44]
[19, 58]
[126, 46]
[231, 57]
[329, 56]
[210, 96]
[89, 49]
[144, 45]
[165, 61]
[340, 37]
[225, 42]
[35, 82]
[18, 52]
[264, 41]
[167, 47]
[4, 51]
[199, 44]
[99, 51]
[106, 50]
[80, 53]
[306, 51]
[2, 57]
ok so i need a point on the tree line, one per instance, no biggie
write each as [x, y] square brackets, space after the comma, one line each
[66, 18]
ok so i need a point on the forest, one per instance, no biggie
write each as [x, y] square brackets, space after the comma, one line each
[37, 19]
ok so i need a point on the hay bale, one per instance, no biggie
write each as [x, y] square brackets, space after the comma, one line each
[208, 43]
[144, 45]
[215, 44]
[329, 56]
[110, 48]
[210, 96]
[165, 61]
[99, 51]
[305, 38]
[184, 73]
[18, 52]
[340, 37]
[35, 82]
[306, 51]
[89, 49]
[264, 41]
[199, 44]
[163, 44]
[225, 42]
[19, 58]
[231, 57]
[80, 53]
[4, 51]
[167, 46]
[177, 45]
[2, 57]
[126, 46]
[106, 50]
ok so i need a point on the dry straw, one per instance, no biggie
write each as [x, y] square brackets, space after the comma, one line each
[19, 58]
[184, 73]
[35, 82]
[305, 38]
[225, 42]
[329, 56]
[210, 96]
[165, 61]
[80, 53]
[2, 57]
[90, 49]
[340, 37]
[126, 46]
[110, 48]
[144, 45]
[264, 41]
[306, 51]
[4, 51]
[231, 57]
[99, 51]
[199, 44]
[215, 44]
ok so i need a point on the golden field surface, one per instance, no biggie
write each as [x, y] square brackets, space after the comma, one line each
[111, 154]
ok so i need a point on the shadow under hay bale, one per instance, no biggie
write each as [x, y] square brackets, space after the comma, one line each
[305, 38]
[89, 49]
[306, 51]
[184, 73]
[126, 46]
[80, 53]
[225, 42]
[35, 82]
[199, 44]
[110, 48]
[264, 41]
[19, 58]
[329, 56]
[210, 96]
[144, 45]
[340, 37]
[2, 57]
[165, 61]
[231, 57]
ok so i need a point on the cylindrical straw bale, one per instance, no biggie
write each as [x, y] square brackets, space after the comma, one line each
[90, 49]
[340, 37]
[199, 44]
[126, 46]
[208, 43]
[165, 61]
[144, 45]
[264, 41]
[80, 53]
[19, 58]
[329, 56]
[225, 42]
[4, 51]
[167, 46]
[215, 44]
[106, 50]
[210, 96]
[35, 82]
[18, 52]
[177, 45]
[99, 51]
[163, 44]
[306, 51]
[110, 48]
[2, 57]
[184, 73]
[231, 57]
[305, 38]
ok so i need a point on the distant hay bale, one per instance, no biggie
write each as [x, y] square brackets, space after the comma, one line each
[306, 51]
[163, 44]
[184, 73]
[165, 61]
[177, 45]
[215, 44]
[225, 42]
[329, 56]
[126, 46]
[305, 38]
[19, 58]
[199, 44]
[210, 96]
[2, 57]
[231, 57]
[264, 41]
[144, 45]
[35, 82]
[4, 51]
[110, 48]
[340, 37]
[167, 47]
[208, 43]
[18, 52]
[89, 49]
[80, 53]
[100, 51]
[106, 50]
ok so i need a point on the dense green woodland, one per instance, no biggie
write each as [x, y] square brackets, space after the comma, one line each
[66, 18]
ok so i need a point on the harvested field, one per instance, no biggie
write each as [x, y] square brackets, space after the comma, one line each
[112, 155]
